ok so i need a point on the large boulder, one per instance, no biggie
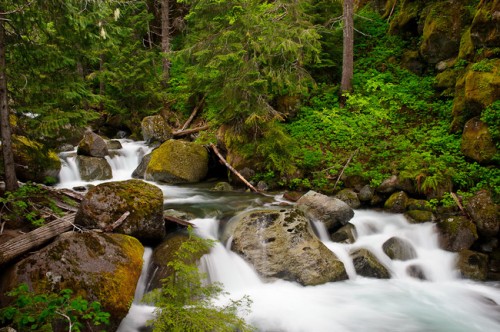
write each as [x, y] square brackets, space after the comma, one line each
[155, 129]
[477, 142]
[107, 202]
[399, 249]
[178, 161]
[397, 202]
[473, 265]
[34, 161]
[485, 214]
[485, 28]
[92, 145]
[97, 266]
[456, 233]
[281, 244]
[333, 212]
[93, 168]
[367, 265]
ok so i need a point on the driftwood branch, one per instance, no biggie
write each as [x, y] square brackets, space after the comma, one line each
[345, 166]
[459, 204]
[178, 221]
[24, 243]
[193, 114]
[189, 131]
[231, 168]
[117, 223]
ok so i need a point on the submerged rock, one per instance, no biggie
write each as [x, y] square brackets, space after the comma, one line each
[333, 212]
[107, 202]
[98, 266]
[367, 265]
[281, 244]
[416, 271]
[178, 162]
[473, 265]
[399, 249]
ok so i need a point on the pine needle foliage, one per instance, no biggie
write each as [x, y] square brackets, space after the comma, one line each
[185, 302]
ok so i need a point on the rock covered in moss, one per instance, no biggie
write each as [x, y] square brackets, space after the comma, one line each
[419, 216]
[485, 28]
[107, 202]
[477, 142]
[333, 212]
[281, 244]
[485, 214]
[98, 266]
[34, 162]
[397, 202]
[399, 249]
[178, 161]
[93, 168]
[155, 129]
[350, 197]
[367, 265]
[222, 186]
[456, 233]
[92, 145]
[473, 265]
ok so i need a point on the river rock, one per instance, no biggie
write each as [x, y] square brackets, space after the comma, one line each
[389, 185]
[416, 271]
[139, 172]
[281, 244]
[113, 144]
[333, 212]
[456, 233]
[367, 265]
[485, 213]
[107, 202]
[178, 161]
[473, 265]
[93, 168]
[399, 249]
[366, 194]
[346, 234]
[419, 216]
[92, 145]
[34, 161]
[155, 129]
[98, 266]
[396, 202]
[349, 197]
[222, 186]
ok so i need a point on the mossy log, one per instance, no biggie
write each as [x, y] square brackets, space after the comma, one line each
[24, 243]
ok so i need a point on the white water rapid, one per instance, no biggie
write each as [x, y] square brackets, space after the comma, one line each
[441, 303]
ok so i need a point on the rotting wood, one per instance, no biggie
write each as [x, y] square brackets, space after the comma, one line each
[21, 244]
[118, 222]
[193, 114]
[345, 166]
[231, 168]
[189, 131]
[459, 204]
[178, 221]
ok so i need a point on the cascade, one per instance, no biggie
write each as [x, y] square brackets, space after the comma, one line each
[442, 302]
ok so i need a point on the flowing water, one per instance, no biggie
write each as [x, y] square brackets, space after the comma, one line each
[443, 302]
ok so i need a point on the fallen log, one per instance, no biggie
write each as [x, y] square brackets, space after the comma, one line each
[118, 222]
[24, 243]
[231, 168]
[178, 221]
[189, 131]
[193, 114]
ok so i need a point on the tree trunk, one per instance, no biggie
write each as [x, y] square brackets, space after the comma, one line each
[8, 155]
[348, 50]
[165, 39]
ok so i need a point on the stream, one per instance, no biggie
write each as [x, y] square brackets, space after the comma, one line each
[443, 302]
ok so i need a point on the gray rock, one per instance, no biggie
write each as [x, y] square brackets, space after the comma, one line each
[399, 249]
[93, 168]
[92, 145]
[485, 213]
[281, 244]
[416, 271]
[155, 128]
[473, 265]
[333, 212]
[113, 144]
[139, 172]
[365, 194]
[456, 233]
[349, 197]
[367, 265]
[346, 234]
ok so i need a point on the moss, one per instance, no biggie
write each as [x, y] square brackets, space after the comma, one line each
[419, 216]
[466, 50]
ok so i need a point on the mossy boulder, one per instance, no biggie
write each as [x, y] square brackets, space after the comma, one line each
[467, 49]
[456, 233]
[222, 186]
[367, 265]
[406, 22]
[333, 212]
[399, 249]
[366, 194]
[442, 31]
[485, 214]
[473, 265]
[107, 202]
[419, 216]
[93, 168]
[396, 202]
[178, 161]
[92, 145]
[446, 80]
[281, 244]
[485, 28]
[155, 129]
[34, 162]
[418, 204]
[346, 234]
[477, 142]
[350, 197]
[412, 60]
[97, 266]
